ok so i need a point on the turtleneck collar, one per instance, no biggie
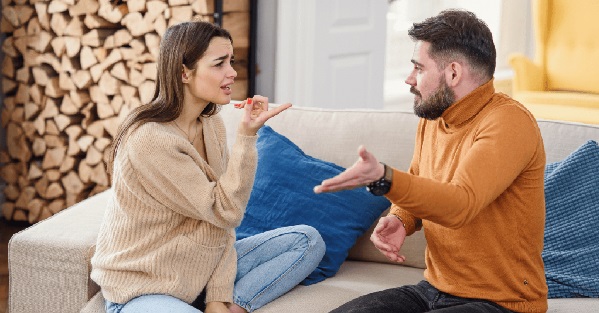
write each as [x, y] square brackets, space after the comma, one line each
[464, 109]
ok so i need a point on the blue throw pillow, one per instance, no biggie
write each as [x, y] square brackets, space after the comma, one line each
[571, 252]
[283, 196]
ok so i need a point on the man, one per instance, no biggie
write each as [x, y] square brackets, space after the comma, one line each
[475, 183]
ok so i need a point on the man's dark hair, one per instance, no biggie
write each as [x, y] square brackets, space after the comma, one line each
[458, 33]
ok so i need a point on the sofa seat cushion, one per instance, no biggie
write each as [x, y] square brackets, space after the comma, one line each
[569, 305]
[95, 305]
[354, 279]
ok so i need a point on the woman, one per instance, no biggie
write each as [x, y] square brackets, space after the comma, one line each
[168, 233]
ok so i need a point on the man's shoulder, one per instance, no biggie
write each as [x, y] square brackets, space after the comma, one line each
[510, 118]
[503, 106]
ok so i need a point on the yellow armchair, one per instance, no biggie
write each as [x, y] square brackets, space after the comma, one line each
[562, 83]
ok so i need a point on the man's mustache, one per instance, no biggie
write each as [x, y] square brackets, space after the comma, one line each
[414, 91]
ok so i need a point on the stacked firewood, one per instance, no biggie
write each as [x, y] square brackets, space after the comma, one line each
[72, 71]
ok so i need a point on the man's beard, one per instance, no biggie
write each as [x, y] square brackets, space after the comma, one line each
[433, 107]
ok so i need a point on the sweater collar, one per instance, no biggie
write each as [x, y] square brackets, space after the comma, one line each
[466, 108]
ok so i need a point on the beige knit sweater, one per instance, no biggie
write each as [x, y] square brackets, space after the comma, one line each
[169, 228]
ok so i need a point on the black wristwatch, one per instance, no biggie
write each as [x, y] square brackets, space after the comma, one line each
[383, 185]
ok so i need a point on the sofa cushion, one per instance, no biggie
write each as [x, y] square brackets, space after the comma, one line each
[572, 224]
[283, 195]
[353, 280]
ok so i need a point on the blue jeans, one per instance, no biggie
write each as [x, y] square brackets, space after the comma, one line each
[268, 265]
[422, 297]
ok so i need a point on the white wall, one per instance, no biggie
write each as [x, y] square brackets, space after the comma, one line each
[514, 34]
[266, 47]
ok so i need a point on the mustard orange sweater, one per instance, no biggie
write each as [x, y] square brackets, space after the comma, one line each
[169, 227]
[475, 185]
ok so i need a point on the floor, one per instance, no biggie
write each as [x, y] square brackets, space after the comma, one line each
[7, 229]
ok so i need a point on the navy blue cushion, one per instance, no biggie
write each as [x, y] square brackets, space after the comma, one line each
[571, 252]
[283, 196]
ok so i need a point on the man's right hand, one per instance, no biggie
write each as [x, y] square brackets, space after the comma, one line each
[388, 237]
[366, 170]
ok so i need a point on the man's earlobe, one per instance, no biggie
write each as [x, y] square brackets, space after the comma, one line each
[455, 67]
[456, 72]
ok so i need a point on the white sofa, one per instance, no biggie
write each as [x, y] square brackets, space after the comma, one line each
[49, 262]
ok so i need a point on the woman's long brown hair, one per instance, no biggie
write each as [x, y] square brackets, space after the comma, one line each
[182, 44]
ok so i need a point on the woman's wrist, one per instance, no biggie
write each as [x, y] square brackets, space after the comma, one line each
[216, 307]
[244, 131]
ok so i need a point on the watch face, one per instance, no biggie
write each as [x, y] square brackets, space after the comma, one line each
[379, 187]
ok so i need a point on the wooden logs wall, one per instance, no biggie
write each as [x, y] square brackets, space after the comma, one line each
[72, 69]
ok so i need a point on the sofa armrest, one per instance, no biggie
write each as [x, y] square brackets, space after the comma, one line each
[528, 76]
[49, 262]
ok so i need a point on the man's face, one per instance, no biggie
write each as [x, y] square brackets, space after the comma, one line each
[432, 94]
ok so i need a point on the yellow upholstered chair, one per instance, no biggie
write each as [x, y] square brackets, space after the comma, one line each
[562, 82]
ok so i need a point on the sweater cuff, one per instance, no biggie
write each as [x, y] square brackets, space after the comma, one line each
[399, 188]
[406, 218]
[219, 294]
[246, 140]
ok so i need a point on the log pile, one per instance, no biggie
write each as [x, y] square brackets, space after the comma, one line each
[72, 70]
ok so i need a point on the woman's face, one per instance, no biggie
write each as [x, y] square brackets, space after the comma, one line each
[213, 76]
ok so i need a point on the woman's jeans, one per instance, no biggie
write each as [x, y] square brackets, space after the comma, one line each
[268, 265]
[422, 297]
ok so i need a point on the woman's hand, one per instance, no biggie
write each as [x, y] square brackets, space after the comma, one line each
[216, 307]
[256, 113]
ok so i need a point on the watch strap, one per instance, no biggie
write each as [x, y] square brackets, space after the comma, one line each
[383, 185]
[388, 173]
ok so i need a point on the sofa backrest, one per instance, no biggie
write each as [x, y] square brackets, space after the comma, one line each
[334, 136]
[562, 138]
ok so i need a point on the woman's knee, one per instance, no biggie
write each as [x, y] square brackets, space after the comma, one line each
[315, 241]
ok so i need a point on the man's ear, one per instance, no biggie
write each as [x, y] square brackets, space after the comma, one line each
[453, 73]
